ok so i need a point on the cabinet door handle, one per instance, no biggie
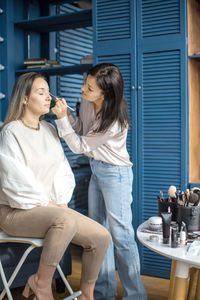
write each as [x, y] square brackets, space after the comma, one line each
[2, 96]
[2, 67]
[132, 87]
[139, 87]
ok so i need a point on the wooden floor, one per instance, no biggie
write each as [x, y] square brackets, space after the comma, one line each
[157, 288]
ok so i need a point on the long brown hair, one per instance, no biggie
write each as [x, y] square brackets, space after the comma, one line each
[114, 108]
[21, 89]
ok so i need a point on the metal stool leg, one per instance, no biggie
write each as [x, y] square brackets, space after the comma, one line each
[15, 272]
[3, 277]
[8, 283]
[73, 295]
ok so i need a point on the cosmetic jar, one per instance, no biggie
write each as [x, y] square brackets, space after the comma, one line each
[155, 223]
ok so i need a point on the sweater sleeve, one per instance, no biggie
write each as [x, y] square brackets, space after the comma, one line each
[83, 144]
[19, 188]
[76, 124]
[63, 184]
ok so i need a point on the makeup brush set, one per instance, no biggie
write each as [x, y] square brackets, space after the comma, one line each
[187, 198]
[184, 206]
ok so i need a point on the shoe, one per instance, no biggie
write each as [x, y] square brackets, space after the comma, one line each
[40, 293]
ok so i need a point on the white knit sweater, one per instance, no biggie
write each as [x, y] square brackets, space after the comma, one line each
[33, 167]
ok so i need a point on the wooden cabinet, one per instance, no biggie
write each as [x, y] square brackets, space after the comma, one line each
[194, 89]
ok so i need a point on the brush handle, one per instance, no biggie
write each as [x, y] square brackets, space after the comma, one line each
[58, 98]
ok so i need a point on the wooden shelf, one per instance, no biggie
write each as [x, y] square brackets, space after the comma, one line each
[194, 89]
[58, 22]
[197, 57]
[193, 26]
[75, 69]
[62, 1]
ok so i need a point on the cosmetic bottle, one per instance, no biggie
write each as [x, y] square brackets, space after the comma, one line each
[174, 235]
[183, 234]
[166, 220]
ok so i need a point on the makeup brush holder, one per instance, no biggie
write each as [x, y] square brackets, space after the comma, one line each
[191, 217]
[163, 207]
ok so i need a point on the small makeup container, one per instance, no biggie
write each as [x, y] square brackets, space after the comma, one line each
[166, 220]
[174, 235]
[155, 223]
[183, 234]
[154, 239]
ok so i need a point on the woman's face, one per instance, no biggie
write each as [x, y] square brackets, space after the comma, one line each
[91, 92]
[38, 103]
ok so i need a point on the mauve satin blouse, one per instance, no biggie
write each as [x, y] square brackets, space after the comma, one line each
[109, 147]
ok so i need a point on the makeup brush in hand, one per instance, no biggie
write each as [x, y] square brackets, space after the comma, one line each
[55, 97]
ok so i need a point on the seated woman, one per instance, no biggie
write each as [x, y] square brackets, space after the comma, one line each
[36, 185]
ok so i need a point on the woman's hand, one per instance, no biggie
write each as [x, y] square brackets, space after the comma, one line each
[60, 109]
[63, 205]
[51, 203]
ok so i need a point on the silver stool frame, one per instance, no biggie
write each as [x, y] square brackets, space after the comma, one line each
[34, 243]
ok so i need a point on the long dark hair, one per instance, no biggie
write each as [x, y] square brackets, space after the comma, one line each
[114, 108]
[21, 89]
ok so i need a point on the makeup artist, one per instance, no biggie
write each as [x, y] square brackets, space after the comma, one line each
[36, 185]
[100, 132]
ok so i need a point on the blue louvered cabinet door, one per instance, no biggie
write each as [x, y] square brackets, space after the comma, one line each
[114, 30]
[151, 36]
[162, 110]
[112, 20]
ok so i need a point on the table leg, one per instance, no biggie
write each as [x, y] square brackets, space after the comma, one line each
[193, 282]
[197, 296]
[172, 280]
[181, 281]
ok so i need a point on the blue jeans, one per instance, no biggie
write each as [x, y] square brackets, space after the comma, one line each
[110, 198]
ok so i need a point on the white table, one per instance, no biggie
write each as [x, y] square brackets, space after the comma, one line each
[178, 285]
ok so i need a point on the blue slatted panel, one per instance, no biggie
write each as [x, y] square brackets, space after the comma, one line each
[162, 116]
[73, 45]
[154, 264]
[113, 20]
[124, 64]
[161, 135]
[160, 17]
[162, 108]
[156, 30]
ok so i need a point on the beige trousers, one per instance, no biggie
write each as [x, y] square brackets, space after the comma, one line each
[59, 226]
